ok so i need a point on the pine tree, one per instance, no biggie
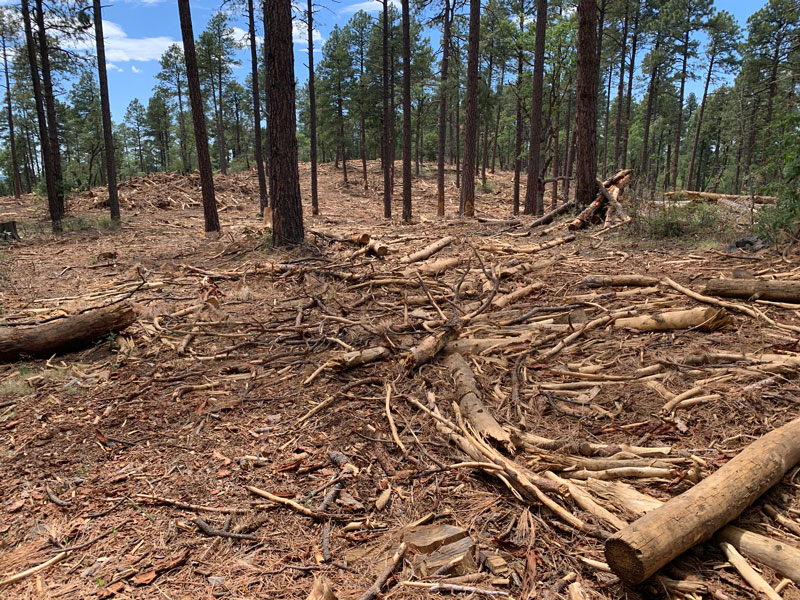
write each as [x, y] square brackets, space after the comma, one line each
[586, 109]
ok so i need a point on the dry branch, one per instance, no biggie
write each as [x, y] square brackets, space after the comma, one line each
[782, 291]
[428, 250]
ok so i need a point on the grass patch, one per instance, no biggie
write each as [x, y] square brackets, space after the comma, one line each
[486, 188]
[88, 223]
[699, 222]
[15, 387]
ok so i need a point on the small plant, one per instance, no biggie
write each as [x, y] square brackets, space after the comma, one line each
[695, 220]
[486, 188]
[265, 240]
[15, 387]
[782, 220]
[98, 222]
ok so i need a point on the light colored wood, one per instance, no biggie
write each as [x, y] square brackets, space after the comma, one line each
[763, 289]
[748, 573]
[703, 318]
[594, 281]
[712, 197]
[428, 250]
[649, 543]
[776, 554]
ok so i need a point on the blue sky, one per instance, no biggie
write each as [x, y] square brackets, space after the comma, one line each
[137, 32]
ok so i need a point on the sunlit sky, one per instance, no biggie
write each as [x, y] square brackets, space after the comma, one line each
[137, 33]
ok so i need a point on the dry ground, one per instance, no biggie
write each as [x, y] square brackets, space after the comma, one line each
[85, 437]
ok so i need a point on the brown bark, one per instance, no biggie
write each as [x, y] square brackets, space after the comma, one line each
[443, 96]
[586, 109]
[64, 334]
[386, 155]
[406, 111]
[533, 193]
[105, 109]
[258, 148]
[210, 214]
[781, 291]
[471, 125]
[287, 216]
[649, 543]
[12, 146]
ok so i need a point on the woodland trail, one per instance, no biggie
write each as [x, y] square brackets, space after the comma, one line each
[273, 417]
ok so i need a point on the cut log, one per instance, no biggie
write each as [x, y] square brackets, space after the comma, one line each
[643, 547]
[776, 554]
[704, 318]
[781, 291]
[500, 302]
[321, 590]
[429, 347]
[428, 250]
[429, 538]
[8, 231]
[748, 573]
[712, 197]
[433, 268]
[64, 334]
[548, 218]
[595, 281]
[591, 214]
[470, 403]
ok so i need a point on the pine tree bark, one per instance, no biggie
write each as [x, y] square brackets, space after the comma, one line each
[497, 118]
[385, 141]
[342, 149]
[652, 92]
[617, 159]
[471, 124]
[258, 148]
[485, 149]
[443, 97]
[312, 101]
[50, 106]
[105, 109]
[210, 214]
[533, 193]
[10, 122]
[56, 209]
[287, 215]
[699, 125]
[629, 94]
[679, 125]
[518, 137]
[586, 108]
[406, 111]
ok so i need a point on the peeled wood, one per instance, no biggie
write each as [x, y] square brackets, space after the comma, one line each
[704, 318]
[433, 268]
[470, 402]
[428, 250]
[652, 541]
[782, 291]
[500, 302]
[748, 573]
[63, 335]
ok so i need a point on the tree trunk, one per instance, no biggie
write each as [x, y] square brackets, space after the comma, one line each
[700, 121]
[50, 106]
[10, 118]
[267, 114]
[568, 145]
[604, 164]
[554, 198]
[210, 215]
[105, 109]
[586, 109]
[387, 154]
[342, 148]
[679, 125]
[418, 136]
[497, 118]
[443, 96]
[518, 137]
[257, 147]
[621, 90]
[312, 101]
[471, 124]
[652, 90]
[186, 163]
[485, 153]
[533, 194]
[406, 112]
[629, 95]
[56, 209]
[287, 215]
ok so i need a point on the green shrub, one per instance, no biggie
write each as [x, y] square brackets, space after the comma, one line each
[693, 220]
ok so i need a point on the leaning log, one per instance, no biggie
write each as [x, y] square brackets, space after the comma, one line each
[781, 291]
[548, 218]
[64, 334]
[647, 544]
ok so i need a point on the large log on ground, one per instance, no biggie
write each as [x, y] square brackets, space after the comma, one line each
[782, 291]
[548, 218]
[647, 544]
[64, 334]
[704, 318]
[712, 197]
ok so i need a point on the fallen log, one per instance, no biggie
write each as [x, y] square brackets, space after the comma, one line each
[433, 268]
[348, 360]
[548, 218]
[428, 250]
[470, 403]
[646, 545]
[64, 334]
[712, 197]
[502, 301]
[588, 214]
[704, 318]
[594, 281]
[781, 291]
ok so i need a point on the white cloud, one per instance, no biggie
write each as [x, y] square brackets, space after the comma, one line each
[300, 34]
[368, 6]
[113, 67]
[135, 70]
[121, 48]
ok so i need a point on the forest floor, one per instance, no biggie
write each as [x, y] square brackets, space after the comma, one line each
[110, 455]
